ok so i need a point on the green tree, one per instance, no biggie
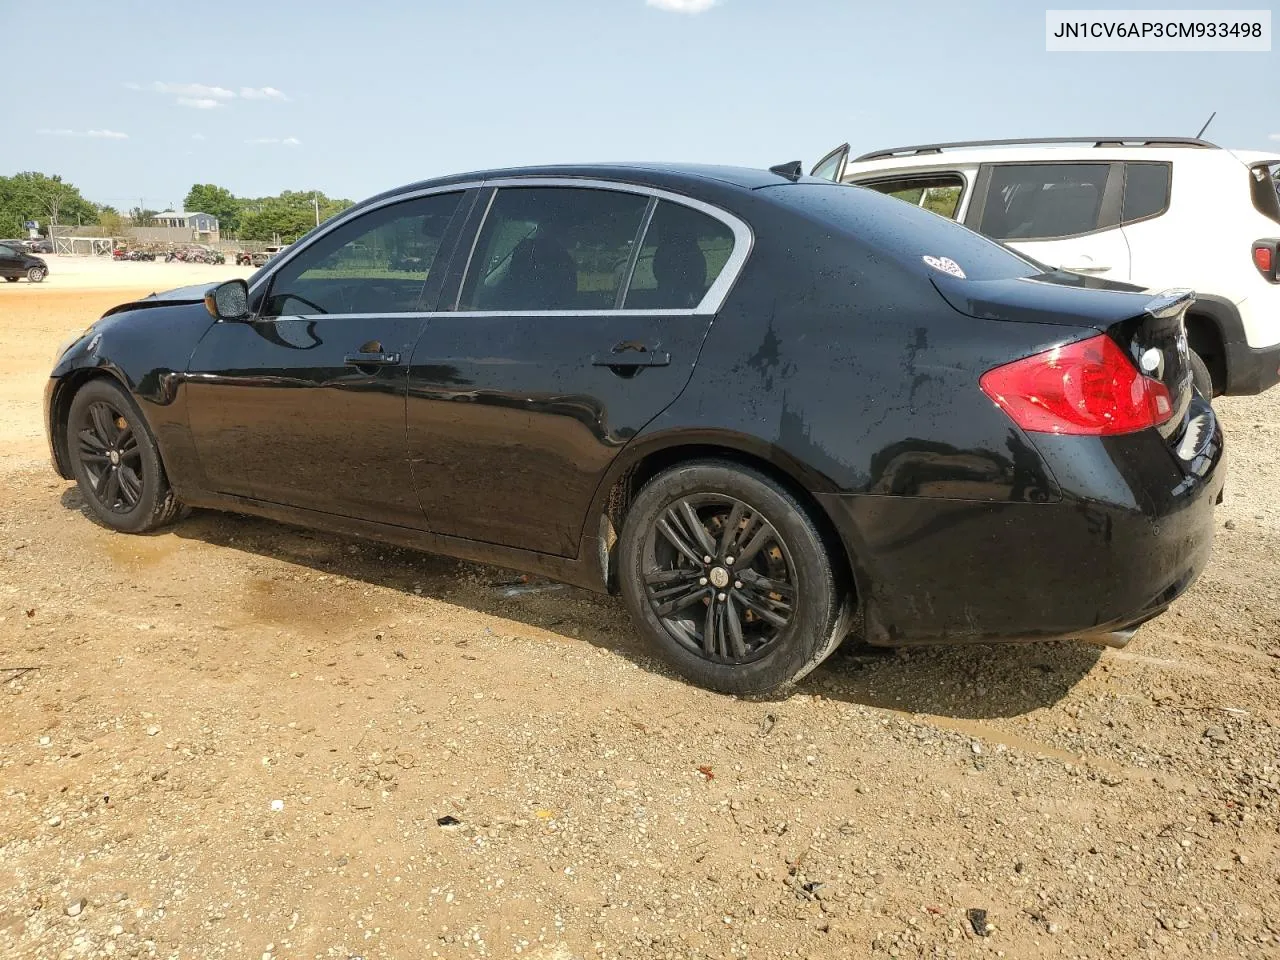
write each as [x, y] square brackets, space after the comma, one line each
[287, 216]
[47, 199]
[142, 217]
[218, 201]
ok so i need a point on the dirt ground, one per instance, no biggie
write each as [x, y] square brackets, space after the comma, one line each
[235, 739]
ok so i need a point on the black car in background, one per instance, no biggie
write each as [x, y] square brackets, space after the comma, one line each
[767, 409]
[16, 263]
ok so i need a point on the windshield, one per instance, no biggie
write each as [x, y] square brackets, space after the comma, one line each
[903, 231]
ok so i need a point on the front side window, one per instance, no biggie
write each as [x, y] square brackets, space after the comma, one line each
[683, 252]
[938, 193]
[376, 263]
[553, 248]
[1043, 201]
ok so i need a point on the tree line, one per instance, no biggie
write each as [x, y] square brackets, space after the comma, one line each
[50, 199]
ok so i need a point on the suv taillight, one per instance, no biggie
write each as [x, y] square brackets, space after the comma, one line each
[1266, 253]
[1086, 388]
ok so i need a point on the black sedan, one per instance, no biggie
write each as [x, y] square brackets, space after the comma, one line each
[16, 263]
[768, 410]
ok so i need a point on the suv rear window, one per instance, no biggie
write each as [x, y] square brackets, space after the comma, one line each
[1146, 191]
[1264, 181]
[901, 230]
[1043, 201]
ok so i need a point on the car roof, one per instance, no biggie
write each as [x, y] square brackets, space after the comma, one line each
[655, 174]
[1076, 153]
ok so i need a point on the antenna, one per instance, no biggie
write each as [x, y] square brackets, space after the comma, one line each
[1206, 124]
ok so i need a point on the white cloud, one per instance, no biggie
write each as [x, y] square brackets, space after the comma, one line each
[194, 91]
[286, 142]
[1274, 136]
[683, 6]
[262, 93]
[198, 136]
[199, 103]
[96, 134]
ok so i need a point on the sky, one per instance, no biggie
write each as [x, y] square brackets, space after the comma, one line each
[135, 101]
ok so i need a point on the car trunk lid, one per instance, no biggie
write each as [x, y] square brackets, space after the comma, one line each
[1148, 327]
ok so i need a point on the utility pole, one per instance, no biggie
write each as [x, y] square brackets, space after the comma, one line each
[315, 199]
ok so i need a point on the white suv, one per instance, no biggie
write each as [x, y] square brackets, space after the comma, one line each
[1155, 211]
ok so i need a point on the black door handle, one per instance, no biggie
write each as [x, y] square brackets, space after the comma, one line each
[371, 359]
[632, 353]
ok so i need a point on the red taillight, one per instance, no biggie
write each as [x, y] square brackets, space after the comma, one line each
[1087, 388]
[1264, 259]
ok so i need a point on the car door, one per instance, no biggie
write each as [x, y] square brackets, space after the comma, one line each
[578, 320]
[1066, 215]
[10, 262]
[303, 404]
[832, 166]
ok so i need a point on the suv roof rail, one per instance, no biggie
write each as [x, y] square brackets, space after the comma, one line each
[923, 148]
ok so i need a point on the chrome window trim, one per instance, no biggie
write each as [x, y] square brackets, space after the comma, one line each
[350, 215]
[710, 304]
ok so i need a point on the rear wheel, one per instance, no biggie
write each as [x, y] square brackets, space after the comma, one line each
[727, 576]
[1200, 375]
[115, 461]
[37, 274]
[12, 279]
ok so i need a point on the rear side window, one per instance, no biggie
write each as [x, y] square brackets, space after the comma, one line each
[1043, 201]
[1146, 191]
[938, 193]
[553, 248]
[1264, 181]
[682, 254]
[899, 230]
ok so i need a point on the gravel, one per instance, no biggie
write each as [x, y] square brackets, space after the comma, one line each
[327, 749]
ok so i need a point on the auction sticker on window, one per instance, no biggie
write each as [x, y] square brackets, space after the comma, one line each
[1158, 31]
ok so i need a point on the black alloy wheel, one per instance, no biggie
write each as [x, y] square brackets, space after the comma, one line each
[728, 576]
[115, 460]
[108, 451]
[719, 577]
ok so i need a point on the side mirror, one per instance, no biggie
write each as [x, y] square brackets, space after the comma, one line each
[228, 301]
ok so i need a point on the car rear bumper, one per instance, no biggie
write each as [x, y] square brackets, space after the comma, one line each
[1100, 561]
[1252, 369]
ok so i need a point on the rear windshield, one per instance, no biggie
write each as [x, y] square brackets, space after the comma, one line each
[1264, 180]
[901, 230]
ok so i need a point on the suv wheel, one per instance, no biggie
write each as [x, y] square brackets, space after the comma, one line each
[36, 274]
[1200, 375]
[726, 575]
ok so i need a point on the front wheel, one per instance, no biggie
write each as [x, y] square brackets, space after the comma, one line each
[115, 460]
[37, 274]
[729, 579]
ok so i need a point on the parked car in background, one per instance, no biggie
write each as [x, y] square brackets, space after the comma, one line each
[40, 246]
[763, 407]
[1154, 211]
[16, 264]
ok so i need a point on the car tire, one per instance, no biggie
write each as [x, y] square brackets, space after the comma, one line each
[36, 274]
[1200, 375]
[11, 279]
[783, 611]
[115, 461]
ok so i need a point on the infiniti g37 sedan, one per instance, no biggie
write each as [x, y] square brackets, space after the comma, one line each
[770, 411]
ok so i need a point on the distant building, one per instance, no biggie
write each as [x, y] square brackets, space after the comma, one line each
[203, 226]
